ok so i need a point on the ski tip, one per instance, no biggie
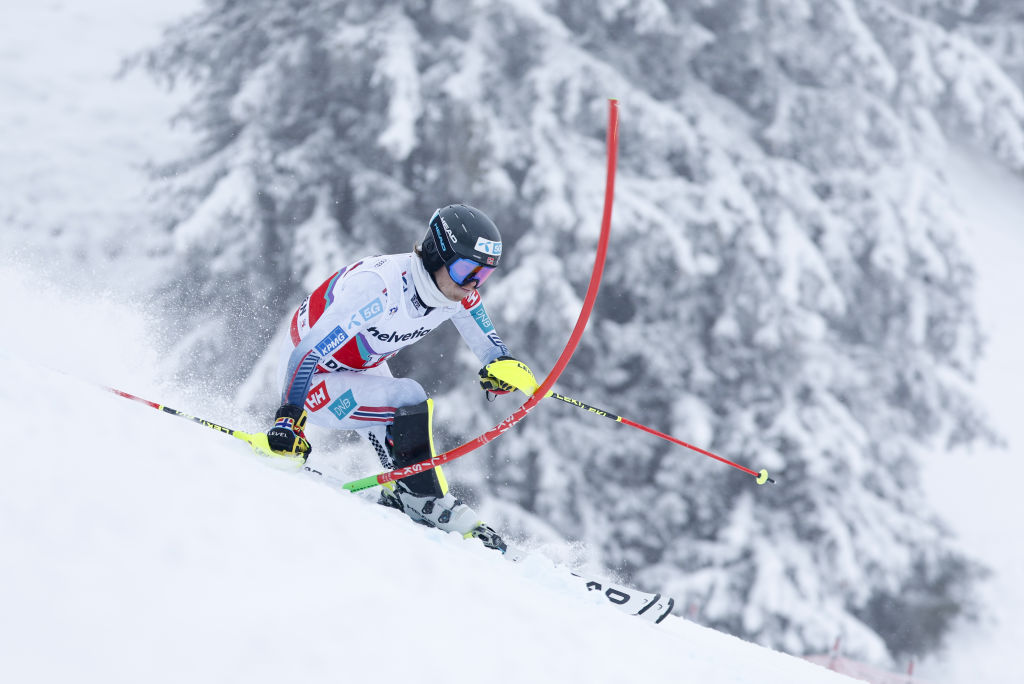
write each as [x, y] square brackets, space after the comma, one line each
[653, 602]
[668, 611]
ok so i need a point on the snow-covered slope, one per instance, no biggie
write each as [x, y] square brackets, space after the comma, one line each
[140, 547]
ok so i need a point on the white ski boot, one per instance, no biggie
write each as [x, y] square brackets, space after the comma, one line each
[424, 497]
[445, 513]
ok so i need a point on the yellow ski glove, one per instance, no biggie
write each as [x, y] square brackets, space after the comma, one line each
[505, 375]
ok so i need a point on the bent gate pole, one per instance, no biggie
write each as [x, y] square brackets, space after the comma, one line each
[563, 360]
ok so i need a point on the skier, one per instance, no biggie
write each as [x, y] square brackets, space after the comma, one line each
[335, 367]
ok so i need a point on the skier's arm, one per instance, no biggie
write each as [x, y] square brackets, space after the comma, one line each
[478, 331]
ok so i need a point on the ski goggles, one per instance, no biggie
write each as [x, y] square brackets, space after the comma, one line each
[464, 270]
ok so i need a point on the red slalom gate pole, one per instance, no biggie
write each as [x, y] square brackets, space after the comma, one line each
[563, 359]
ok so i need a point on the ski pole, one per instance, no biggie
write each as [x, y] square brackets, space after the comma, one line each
[762, 477]
[258, 441]
[526, 384]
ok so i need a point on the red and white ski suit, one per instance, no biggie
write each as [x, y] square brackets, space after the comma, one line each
[342, 335]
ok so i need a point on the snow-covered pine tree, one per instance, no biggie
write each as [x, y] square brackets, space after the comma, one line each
[310, 116]
[998, 27]
[786, 283]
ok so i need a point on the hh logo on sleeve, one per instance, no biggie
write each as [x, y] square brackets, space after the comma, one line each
[317, 397]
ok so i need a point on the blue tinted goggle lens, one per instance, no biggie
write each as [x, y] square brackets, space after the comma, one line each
[464, 270]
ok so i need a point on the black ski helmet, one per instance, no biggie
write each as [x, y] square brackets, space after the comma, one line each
[460, 231]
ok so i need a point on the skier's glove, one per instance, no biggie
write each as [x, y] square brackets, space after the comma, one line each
[504, 375]
[287, 436]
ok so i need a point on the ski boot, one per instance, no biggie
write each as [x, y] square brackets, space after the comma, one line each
[424, 497]
[488, 537]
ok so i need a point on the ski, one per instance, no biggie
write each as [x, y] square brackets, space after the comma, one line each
[651, 607]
